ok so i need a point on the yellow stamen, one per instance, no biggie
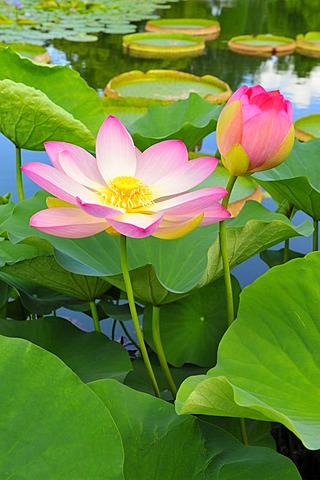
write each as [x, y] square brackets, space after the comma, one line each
[126, 192]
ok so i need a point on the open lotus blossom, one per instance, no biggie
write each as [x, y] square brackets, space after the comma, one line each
[123, 190]
[255, 130]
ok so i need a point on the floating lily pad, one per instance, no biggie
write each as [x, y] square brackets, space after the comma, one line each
[308, 127]
[309, 44]
[166, 85]
[265, 45]
[81, 37]
[47, 20]
[209, 29]
[162, 45]
[34, 52]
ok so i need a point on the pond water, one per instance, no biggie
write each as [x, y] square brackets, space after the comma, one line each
[297, 76]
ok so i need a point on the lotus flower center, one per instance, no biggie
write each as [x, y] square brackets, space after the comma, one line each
[126, 192]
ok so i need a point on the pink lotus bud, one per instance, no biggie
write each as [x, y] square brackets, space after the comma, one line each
[255, 130]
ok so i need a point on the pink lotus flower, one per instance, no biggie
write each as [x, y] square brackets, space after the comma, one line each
[255, 130]
[123, 190]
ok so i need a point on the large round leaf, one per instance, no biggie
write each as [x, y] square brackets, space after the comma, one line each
[52, 425]
[162, 271]
[91, 355]
[189, 120]
[160, 445]
[297, 179]
[62, 85]
[29, 118]
[268, 361]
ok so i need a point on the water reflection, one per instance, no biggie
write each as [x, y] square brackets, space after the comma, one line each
[304, 92]
[297, 76]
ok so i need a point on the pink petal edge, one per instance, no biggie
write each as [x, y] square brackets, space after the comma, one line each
[67, 222]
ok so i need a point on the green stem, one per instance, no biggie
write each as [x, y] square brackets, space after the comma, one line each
[315, 238]
[286, 251]
[95, 316]
[224, 254]
[19, 175]
[243, 429]
[134, 315]
[160, 352]
[130, 337]
[227, 280]
[113, 331]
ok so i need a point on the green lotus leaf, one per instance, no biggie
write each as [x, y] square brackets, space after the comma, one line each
[187, 447]
[44, 270]
[4, 200]
[12, 253]
[297, 179]
[53, 425]
[268, 361]
[29, 118]
[36, 298]
[6, 210]
[91, 355]
[277, 257]
[259, 433]
[48, 79]
[162, 271]
[188, 120]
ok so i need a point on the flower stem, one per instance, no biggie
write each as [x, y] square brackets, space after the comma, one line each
[130, 337]
[113, 330]
[19, 175]
[224, 254]
[227, 281]
[286, 251]
[243, 429]
[160, 352]
[134, 315]
[95, 316]
[315, 238]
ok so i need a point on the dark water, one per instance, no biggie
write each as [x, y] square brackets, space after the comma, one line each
[296, 76]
